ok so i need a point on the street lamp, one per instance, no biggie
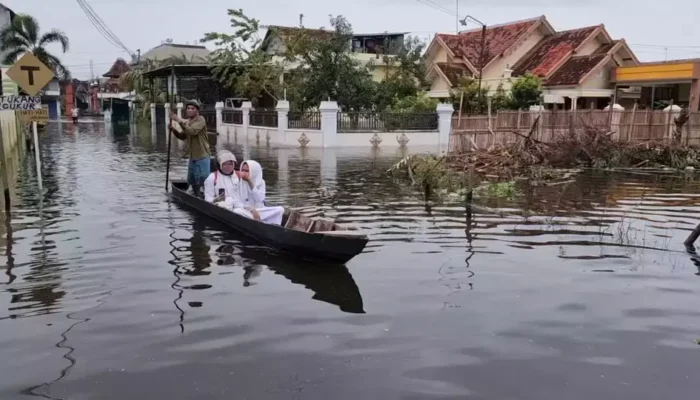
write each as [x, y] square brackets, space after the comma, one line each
[481, 53]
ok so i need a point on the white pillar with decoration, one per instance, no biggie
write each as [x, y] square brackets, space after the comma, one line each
[444, 112]
[329, 123]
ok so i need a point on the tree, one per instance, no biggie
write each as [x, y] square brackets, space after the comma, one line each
[526, 92]
[326, 69]
[501, 100]
[22, 35]
[240, 61]
[469, 96]
[405, 71]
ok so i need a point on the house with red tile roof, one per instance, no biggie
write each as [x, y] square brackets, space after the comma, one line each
[574, 65]
[450, 56]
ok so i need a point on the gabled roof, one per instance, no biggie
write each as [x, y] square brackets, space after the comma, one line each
[118, 68]
[553, 50]
[576, 69]
[451, 72]
[498, 40]
[169, 50]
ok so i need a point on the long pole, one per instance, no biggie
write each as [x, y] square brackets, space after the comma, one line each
[37, 158]
[5, 175]
[457, 16]
[481, 61]
[169, 133]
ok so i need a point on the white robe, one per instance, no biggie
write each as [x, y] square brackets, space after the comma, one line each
[255, 197]
[230, 183]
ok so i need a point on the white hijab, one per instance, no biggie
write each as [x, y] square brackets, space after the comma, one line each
[256, 176]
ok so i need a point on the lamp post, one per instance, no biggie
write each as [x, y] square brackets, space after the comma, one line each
[481, 53]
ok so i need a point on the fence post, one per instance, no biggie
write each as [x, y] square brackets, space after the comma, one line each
[219, 107]
[245, 113]
[153, 113]
[617, 116]
[444, 112]
[329, 123]
[282, 120]
[180, 107]
[166, 106]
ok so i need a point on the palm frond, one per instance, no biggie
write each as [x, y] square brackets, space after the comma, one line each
[27, 27]
[13, 55]
[55, 36]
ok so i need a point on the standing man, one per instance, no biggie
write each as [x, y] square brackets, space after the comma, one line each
[74, 114]
[194, 132]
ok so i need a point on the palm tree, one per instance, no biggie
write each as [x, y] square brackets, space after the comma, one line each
[22, 35]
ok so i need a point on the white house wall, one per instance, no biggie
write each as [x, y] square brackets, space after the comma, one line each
[600, 78]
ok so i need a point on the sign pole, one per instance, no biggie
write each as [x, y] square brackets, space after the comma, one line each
[37, 158]
[5, 176]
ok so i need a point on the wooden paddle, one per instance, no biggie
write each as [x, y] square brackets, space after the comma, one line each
[169, 133]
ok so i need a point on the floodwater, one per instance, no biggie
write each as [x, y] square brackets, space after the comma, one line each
[121, 294]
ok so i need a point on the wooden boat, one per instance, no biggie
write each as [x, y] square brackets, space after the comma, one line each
[315, 239]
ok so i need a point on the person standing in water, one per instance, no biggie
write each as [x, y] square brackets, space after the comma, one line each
[74, 114]
[194, 132]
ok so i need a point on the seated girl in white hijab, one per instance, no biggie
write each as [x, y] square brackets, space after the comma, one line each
[252, 195]
[221, 186]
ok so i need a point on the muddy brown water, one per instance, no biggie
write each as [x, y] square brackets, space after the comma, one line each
[120, 293]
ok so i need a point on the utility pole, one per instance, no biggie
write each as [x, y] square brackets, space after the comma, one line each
[457, 16]
[92, 70]
[301, 20]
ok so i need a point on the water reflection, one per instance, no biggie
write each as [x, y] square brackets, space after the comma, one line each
[522, 284]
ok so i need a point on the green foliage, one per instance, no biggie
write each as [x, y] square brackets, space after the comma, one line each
[404, 72]
[526, 92]
[506, 190]
[240, 61]
[501, 100]
[473, 100]
[23, 35]
[418, 103]
[327, 70]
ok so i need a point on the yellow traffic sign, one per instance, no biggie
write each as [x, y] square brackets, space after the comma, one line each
[38, 115]
[30, 74]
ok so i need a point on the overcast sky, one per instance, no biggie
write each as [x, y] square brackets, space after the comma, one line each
[143, 24]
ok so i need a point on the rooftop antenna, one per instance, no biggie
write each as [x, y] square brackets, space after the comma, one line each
[301, 20]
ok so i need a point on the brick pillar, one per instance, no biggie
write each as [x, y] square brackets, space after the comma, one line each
[695, 96]
[69, 98]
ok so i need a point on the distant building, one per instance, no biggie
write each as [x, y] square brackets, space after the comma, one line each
[6, 18]
[168, 50]
[366, 48]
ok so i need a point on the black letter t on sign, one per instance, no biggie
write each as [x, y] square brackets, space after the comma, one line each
[30, 73]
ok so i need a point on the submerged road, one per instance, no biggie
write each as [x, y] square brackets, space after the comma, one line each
[110, 291]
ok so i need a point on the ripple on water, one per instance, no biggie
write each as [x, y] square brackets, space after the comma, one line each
[577, 291]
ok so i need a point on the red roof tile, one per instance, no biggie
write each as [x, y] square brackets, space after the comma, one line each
[453, 72]
[551, 50]
[498, 40]
[571, 73]
[118, 68]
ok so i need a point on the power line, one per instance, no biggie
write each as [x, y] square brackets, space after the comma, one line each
[438, 7]
[101, 26]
